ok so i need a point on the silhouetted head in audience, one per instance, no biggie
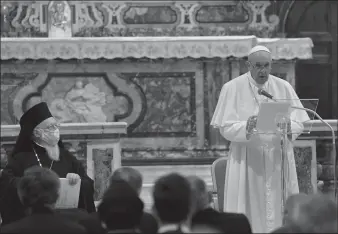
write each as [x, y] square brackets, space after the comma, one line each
[288, 228]
[200, 196]
[120, 208]
[291, 208]
[318, 214]
[132, 176]
[172, 199]
[38, 188]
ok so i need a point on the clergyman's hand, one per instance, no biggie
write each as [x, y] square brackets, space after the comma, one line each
[250, 126]
[73, 178]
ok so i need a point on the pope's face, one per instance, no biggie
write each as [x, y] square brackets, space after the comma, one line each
[259, 65]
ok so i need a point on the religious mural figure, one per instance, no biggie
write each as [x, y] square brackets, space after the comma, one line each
[83, 104]
[61, 111]
[59, 19]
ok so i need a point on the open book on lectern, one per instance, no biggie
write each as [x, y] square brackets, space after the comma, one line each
[272, 115]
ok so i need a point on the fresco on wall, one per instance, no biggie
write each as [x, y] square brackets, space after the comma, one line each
[82, 100]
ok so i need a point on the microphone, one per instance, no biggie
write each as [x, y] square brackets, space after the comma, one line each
[266, 94]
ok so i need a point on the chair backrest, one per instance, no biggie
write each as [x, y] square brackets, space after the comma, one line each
[218, 168]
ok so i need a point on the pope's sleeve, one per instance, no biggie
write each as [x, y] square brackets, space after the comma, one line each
[225, 117]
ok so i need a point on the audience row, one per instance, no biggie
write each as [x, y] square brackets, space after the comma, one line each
[180, 205]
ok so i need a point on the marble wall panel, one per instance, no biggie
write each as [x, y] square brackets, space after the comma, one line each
[156, 98]
[217, 73]
[306, 165]
[10, 85]
[170, 102]
[103, 168]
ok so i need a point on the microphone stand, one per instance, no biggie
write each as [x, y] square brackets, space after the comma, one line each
[284, 138]
[283, 146]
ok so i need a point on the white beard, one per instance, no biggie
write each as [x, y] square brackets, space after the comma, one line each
[53, 152]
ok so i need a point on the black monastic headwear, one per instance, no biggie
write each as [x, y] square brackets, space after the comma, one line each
[29, 120]
[34, 116]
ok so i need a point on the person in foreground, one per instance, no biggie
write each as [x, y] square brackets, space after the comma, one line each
[172, 202]
[121, 209]
[253, 176]
[317, 214]
[310, 213]
[291, 212]
[39, 144]
[38, 190]
[203, 214]
[133, 177]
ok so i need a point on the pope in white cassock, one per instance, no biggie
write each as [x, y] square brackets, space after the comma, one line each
[253, 174]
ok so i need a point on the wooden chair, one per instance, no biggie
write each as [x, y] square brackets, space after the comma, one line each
[218, 168]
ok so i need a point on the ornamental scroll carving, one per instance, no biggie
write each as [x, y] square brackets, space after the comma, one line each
[59, 19]
[130, 18]
[74, 95]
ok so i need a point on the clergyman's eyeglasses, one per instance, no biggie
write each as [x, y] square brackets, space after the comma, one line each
[52, 127]
[261, 67]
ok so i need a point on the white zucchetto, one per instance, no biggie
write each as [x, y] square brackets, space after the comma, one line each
[259, 48]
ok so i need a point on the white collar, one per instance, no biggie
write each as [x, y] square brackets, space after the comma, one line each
[173, 227]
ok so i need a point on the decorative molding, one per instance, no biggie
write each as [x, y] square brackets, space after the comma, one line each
[151, 47]
[75, 129]
[132, 18]
[258, 8]
[127, 98]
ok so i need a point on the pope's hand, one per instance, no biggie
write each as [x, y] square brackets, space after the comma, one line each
[73, 178]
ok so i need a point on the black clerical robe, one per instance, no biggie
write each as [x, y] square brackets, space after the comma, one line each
[11, 207]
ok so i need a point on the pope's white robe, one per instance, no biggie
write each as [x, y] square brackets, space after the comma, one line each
[253, 175]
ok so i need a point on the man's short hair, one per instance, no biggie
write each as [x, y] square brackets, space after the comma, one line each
[200, 197]
[292, 204]
[132, 176]
[317, 215]
[121, 207]
[172, 198]
[38, 187]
